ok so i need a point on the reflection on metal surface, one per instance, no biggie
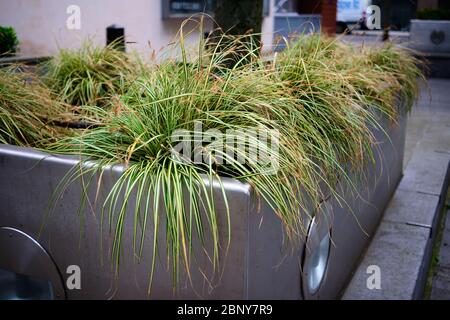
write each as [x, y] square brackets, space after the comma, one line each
[317, 250]
[14, 286]
[26, 269]
[318, 264]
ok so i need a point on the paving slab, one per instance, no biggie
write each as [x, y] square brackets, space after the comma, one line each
[403, 243]
[442, 278]
[444, 254]
[441, 274]
[426, 171]
[397, 249]
[440, 294]
[419, 211]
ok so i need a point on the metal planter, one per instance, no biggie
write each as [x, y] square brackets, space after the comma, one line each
[430, 36]
[257, 265]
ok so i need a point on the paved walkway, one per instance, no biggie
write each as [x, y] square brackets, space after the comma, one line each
[440, 289]
[403, 243]
[435, 116]
[432, 117]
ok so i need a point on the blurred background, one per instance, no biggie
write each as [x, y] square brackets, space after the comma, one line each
[43, 26]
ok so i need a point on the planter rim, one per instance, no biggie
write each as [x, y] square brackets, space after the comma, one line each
[430, 21]
[17, 58]
[38, 155]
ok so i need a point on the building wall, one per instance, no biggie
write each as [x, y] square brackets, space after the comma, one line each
[422, 4]
[41, 24]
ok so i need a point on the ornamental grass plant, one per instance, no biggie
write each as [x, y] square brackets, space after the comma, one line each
[28, 110]
[318, 102]
[90, 75]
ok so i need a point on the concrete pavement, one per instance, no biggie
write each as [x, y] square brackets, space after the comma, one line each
[403, 243]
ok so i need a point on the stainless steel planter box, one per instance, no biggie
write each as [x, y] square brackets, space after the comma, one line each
[258, 264]
[430, 36]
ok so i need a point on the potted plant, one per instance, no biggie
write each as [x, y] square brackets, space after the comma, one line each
[164, 180]
[8, 41]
